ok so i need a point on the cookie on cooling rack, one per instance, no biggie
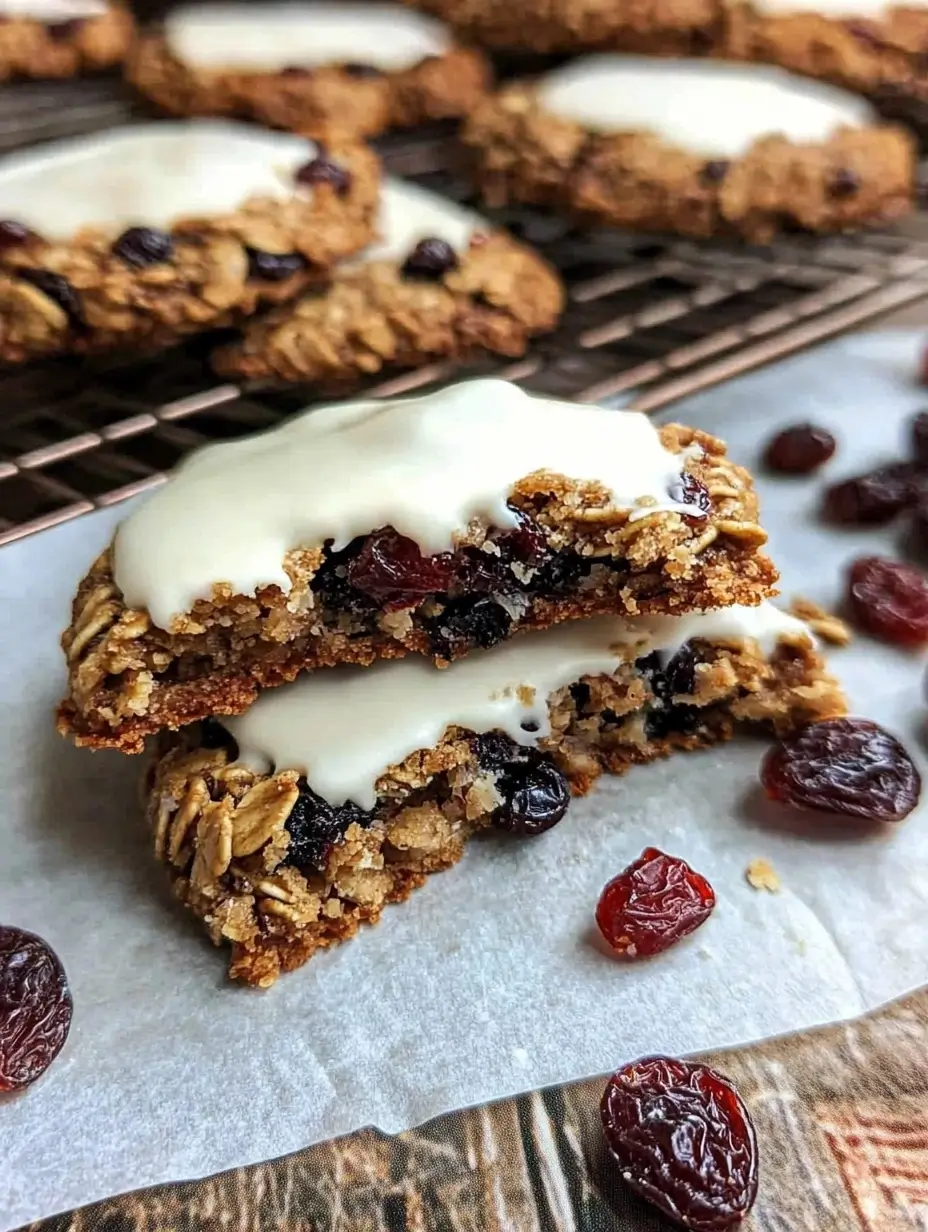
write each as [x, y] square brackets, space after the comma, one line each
[441, 283]
[149, 233]
[61, 38]
[693, 147]
[315, 68]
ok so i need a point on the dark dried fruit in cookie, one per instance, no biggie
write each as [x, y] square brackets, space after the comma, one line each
[799, 449]
[322, 170]
[918, 433]
[314, 825]
[331, 584]
[141, 246]
[61, 31]
[688, 490]
[873, 498]
[535, 795]
[889, 600]
[392, 570]
[654, 903]
[296, 70]
[274, 266]
[214, 736]
[683, 1140]
[35, 1007]
[431, 258]
[468, 622]
[362, 72]
[495, 750]
[847, 766]
[714, 171]
[844, 183]
[13, 234]
[58, 290]
[677, 677]
[562, 572]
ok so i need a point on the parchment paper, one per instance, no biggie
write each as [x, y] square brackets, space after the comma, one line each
[489, 980]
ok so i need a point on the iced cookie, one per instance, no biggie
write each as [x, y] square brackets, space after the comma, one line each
[286, 829]
[61, 38]
[432, 525]
[318, 68]
[145, 234]
[700, 148]
[440, 283]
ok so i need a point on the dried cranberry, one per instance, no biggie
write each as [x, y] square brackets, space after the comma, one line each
[314, 825]
[13, 234]
[535, 795]
[844, 183]
[889, 600]
[800, 449]
[323, 170]
[847, 766]
[274, 266]
[431, 258]
[714, 171]
[683, 1140]
[467, 622]
[35, 1007]
[58, 290]
[141, 246]
[874, 498]
[362, 71]
[654, 903]
[391, 570]
[688, 490]
[918, 429]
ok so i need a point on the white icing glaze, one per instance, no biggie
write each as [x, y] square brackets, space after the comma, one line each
[835, 8]
[343, 727]
[409, 214]
[151, 174]
[52, 10]
[705, 106]
[425, 466]
[267, 37]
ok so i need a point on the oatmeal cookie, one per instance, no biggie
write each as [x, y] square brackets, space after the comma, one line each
[441, 283]
[61, 38]
[141, 236]
[349, 71]
[352, 813]
[693, 147]
[465, 529]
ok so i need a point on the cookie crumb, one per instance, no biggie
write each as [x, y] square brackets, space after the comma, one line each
[823, 623]
[762, 876]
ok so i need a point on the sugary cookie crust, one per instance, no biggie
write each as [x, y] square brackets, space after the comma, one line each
[221, 829]
[128, 679]
[325, 102]
[500, 295]
[522, 153]
[204, 284]
[65, 49]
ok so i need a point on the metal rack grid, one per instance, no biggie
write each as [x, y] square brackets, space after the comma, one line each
[651, 321]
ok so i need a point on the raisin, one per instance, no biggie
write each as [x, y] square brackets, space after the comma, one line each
[214, 736]
[58, 290]
[847, 766]
[688, 490]
[61, 31]
[678, 676]
[296, 70]
[714, 171]
[844, 183]
[799, 449]
[274, 266]
[889, 600]
[331, 583]
[13, 234]
[35, 1007]
[494, 750]
[918, 429]
[480, 622]
[535, 795]
[391, 570]
[141, 246]
[323, 170]
[580, 695]
[654, 903]
[431, 258]
[683, 1140]
[563, 571]
[873, 498]
[362, 72]
[314, 826]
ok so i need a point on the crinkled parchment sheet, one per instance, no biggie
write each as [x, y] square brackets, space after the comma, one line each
[488, 981]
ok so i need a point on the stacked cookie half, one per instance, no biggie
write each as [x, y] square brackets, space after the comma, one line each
[359, 638]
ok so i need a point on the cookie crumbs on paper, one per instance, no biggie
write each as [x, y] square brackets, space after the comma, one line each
[761, 875]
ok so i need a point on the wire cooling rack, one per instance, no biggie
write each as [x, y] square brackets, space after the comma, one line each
[648, 320]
